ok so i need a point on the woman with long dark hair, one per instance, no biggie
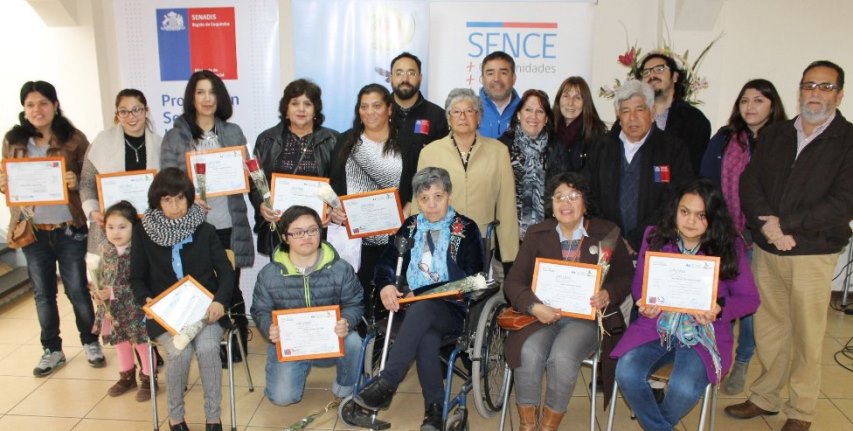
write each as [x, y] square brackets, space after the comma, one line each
[757, 105]
[576, 121]
[61, 232]
[695, 221]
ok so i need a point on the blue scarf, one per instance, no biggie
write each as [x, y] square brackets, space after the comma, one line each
[416, 277]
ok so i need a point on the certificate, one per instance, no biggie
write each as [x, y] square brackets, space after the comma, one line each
[35, 181]
[225, 172]
[183, 304]
[290, 190]
[308, 333]
[567, 286]
[373, 213]
[680, 282]
[131, 186]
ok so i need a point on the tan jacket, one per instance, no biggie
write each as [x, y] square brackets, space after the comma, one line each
[485, 192]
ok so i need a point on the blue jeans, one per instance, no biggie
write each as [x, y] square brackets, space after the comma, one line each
[686, 384]
[286, 380]
[68, 247]
[745, 340]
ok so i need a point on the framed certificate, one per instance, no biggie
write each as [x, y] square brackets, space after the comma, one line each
[131, 186]
[308, 333]
[680, 282]
[35, 181]
[373, 213]
[182, 304]
[567, 286]
[225, 172]
[289, 190]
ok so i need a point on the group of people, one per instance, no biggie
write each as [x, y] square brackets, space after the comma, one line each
[771, 197]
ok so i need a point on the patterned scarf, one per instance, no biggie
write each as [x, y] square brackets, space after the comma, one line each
[175, 233]
[735, 159]
[419, 275]
[682, 327]
[531, 189]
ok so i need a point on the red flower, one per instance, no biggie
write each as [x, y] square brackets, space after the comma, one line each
[605, 255]
[456, 228]
[200, 168]
[627, 59]
[252, 164]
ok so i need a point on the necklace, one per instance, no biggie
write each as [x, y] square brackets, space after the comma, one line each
[135, 149]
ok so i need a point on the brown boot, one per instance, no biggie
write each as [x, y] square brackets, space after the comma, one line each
[550, 420]
[527, 415]
[126, 382]
[144, 392]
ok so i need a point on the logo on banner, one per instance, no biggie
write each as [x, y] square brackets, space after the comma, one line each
[194, 39]
[531, 44]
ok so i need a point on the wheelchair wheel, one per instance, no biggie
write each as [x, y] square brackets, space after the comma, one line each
[373, 355]
[489, 368]
[457, 421]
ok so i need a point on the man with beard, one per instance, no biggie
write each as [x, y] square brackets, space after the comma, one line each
[672, 114]
[418, 121]
[498, 96]
[798, 192]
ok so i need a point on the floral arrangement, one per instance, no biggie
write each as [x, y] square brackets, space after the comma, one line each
[256, 173]
[693, 82]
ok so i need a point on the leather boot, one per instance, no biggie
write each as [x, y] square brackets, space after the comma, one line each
[144, 392]
[550, 420]
[126, 382]
[527, 415]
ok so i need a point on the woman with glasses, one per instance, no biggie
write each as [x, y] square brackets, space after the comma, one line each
[307, 272]
[133, 136]
[480, 170]
[555, 345]
[576, 121]
[202, 127]
[534, 154]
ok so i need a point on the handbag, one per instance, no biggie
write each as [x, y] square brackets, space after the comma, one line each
[512, 320]
[22, 235]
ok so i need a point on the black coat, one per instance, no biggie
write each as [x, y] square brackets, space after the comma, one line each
[604, 170]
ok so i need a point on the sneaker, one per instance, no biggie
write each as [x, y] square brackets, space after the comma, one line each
[95, 355]
[376, 396]
[50, 362]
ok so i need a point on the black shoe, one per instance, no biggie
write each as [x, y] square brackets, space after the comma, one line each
[375, 396]
[432, 418]
[213, 427]
[179, 427]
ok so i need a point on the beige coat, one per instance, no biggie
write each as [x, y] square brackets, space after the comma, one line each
[485, 192]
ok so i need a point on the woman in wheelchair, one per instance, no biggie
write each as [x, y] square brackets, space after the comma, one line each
[170, 242]
[447, 247]
[307, 272]
[698, 345]
[555, 344]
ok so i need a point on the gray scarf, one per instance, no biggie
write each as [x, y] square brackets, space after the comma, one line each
[167, 232]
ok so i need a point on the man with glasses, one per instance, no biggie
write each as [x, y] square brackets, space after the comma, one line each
[497, 93]
[671, 113]
[797, 191]
[631, 173]
[418, 121]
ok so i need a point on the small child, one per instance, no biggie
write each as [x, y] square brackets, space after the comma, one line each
[118, 319]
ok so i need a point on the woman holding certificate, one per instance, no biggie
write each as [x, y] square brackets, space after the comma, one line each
[171, 242]
[307, 272]
[697, 341]
[201, 128]
[297, 145]
[556, 344]
[133, 136]
[446, 247]
[60, 230]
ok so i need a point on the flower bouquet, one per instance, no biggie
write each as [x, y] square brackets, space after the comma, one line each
[103, 326]
[187, 333]
[469, 284]
[259, 179]
[604, 250]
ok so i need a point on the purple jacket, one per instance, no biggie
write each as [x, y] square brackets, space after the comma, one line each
[741, 299]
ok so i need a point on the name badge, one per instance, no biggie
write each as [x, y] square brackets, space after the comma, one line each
[662, 174]
[422, 127]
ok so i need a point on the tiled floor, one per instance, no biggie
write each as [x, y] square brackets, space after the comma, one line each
[74, 398]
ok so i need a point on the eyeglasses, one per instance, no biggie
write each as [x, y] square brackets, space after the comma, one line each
[571, 196]
[459, 112]
[136, 111]
[297, 234]
[408, 73]
[657, 70]
[823, 86]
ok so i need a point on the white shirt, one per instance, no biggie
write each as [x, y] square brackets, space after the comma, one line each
[631, 148]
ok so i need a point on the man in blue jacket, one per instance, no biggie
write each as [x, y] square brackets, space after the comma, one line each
[497, 93]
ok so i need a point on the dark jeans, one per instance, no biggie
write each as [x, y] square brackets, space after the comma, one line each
[426, 323]
[68, 247]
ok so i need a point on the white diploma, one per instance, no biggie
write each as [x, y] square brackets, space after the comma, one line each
[35, 181]
[567, 286]
[183, 304]
[308, 333]
[225, 171]
[290, 190]
[373, 213]
[679, 282]
[131, 186]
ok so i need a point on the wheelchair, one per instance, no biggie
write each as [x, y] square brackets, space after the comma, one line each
[475, 356]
